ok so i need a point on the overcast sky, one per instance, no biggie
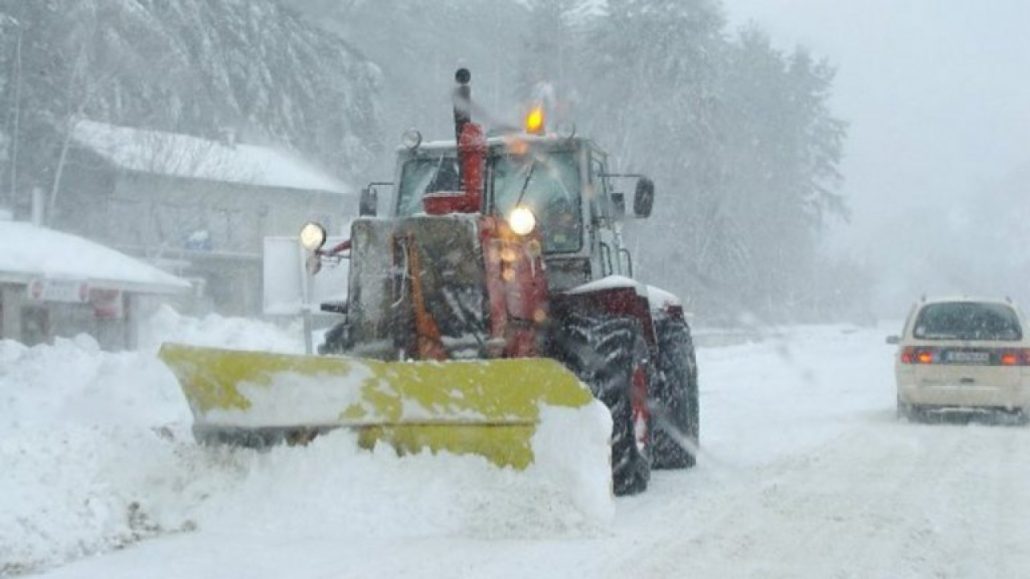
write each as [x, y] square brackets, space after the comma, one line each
[938, 96]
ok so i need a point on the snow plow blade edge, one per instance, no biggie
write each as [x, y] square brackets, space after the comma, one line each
[485, 407]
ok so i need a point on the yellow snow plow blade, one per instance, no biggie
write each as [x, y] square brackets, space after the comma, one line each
[485, 407]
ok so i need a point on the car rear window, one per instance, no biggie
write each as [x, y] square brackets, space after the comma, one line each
[967, 321]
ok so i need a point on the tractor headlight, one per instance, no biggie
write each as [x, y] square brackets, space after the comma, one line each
[312, 236]
[521, 220]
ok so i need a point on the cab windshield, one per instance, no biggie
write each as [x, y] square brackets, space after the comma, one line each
[424, 175]
[549, 186]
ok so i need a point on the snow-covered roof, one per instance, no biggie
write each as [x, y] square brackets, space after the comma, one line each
[29, 252]
[187, 156]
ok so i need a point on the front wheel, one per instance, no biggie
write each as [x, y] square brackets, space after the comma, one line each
[676, 404]
[611, 357]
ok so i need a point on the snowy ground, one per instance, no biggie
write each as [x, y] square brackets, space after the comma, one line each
[805, 472]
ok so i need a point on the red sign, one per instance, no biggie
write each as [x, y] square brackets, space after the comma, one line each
[107, 304]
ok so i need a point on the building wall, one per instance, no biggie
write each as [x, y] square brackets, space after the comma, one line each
[11, 297]
[35, 322]
[158, 211]
[212, 230]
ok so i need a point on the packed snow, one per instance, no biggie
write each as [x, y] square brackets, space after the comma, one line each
[97, 454]
[804, 472]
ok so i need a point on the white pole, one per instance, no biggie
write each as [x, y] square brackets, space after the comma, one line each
[38, 207]
[305, 306]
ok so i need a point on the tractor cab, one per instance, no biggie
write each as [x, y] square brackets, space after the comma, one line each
[556, 187]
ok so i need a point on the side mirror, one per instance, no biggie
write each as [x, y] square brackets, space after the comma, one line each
[618, 205]
[368, 203]
[643, 198]
[893, 340]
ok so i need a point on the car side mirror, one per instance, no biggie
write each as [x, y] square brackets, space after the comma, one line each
[643, 198]
[618, 205]
[893, 340]
[368, 202]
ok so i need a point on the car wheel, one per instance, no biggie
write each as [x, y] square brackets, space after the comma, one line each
[909, 412]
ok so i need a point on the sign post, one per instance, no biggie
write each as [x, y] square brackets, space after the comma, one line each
[305, 288]
[289, 288]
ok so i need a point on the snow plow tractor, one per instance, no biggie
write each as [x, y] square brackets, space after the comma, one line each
[497, 285]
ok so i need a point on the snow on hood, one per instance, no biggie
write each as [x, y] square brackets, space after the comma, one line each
[610, 282]
[28, 251]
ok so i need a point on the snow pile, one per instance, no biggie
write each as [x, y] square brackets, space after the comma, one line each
[79, 437]
[571, 445]
[167, 325]
[97, 454]
[333, 489]
[74, 384]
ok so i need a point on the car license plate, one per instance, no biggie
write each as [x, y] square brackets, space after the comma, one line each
[968, 357]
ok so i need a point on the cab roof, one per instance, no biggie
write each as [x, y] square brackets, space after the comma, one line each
[496, 141]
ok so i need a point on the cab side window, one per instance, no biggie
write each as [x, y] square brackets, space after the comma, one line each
[599, 210]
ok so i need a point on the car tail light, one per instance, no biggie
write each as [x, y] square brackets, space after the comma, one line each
[911, 355]
[991, 357]
[1014, 357]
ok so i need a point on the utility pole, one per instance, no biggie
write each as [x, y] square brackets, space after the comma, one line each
[17, 120]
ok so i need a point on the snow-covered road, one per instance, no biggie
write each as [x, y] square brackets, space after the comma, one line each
[805, 473]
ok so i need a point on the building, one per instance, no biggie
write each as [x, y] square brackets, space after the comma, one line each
[197, 207]
[57, 284]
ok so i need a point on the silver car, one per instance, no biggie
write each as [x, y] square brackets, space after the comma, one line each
[962, 353]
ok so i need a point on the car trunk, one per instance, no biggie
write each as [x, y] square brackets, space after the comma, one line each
[966, 364]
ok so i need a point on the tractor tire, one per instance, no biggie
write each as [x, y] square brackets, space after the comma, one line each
[336, 340]
[675, 404]
[611, 357]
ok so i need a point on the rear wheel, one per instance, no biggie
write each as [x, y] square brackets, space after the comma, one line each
[611, 357]
[675, 402]
[910, 412]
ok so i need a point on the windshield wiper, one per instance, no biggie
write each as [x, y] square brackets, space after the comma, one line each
[525, 184]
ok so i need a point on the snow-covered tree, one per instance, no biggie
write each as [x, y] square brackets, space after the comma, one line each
[190, 66]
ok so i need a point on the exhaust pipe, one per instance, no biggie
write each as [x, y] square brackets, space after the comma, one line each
[462, 102]
[471, 149]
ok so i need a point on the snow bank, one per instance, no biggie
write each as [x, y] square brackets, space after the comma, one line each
[571, 446]
[97, 454]
[73, 384]
[167, 325]
[80, 435]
